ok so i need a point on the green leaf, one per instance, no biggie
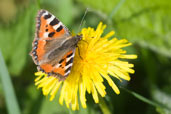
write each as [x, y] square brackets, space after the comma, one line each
[10, 98]
[146, 23]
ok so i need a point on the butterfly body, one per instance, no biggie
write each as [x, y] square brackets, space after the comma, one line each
[53, 48]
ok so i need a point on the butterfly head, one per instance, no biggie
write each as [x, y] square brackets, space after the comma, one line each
[78, 37]
[75, 40]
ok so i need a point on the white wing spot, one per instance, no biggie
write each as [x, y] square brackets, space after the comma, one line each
[70, 57]
[46, 13]
[67, 73]
[45, 35]
[50, 19]
[66, 67]
[57, 66]
[57, 26]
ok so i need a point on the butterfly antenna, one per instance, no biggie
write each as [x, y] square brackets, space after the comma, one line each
[83, 19]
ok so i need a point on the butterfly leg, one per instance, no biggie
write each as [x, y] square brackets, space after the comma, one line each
[79, 52]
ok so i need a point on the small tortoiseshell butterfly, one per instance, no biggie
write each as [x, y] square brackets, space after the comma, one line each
[53, 47]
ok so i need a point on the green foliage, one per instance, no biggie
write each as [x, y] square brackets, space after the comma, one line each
[150, 102]
[15, 40]
[145, 23]
[10, 97]
[163, 98]
[103, 5]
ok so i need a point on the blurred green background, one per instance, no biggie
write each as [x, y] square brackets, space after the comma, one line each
[145, 23]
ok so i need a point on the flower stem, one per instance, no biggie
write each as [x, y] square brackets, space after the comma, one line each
[103, 106]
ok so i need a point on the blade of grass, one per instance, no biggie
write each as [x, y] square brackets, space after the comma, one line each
[10, 98]
[115, 9]
[150, 102]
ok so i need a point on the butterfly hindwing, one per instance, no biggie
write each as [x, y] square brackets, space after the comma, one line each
[63, 68]
[60, 69]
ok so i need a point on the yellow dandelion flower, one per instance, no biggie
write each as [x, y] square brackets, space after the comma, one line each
[98, 58]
